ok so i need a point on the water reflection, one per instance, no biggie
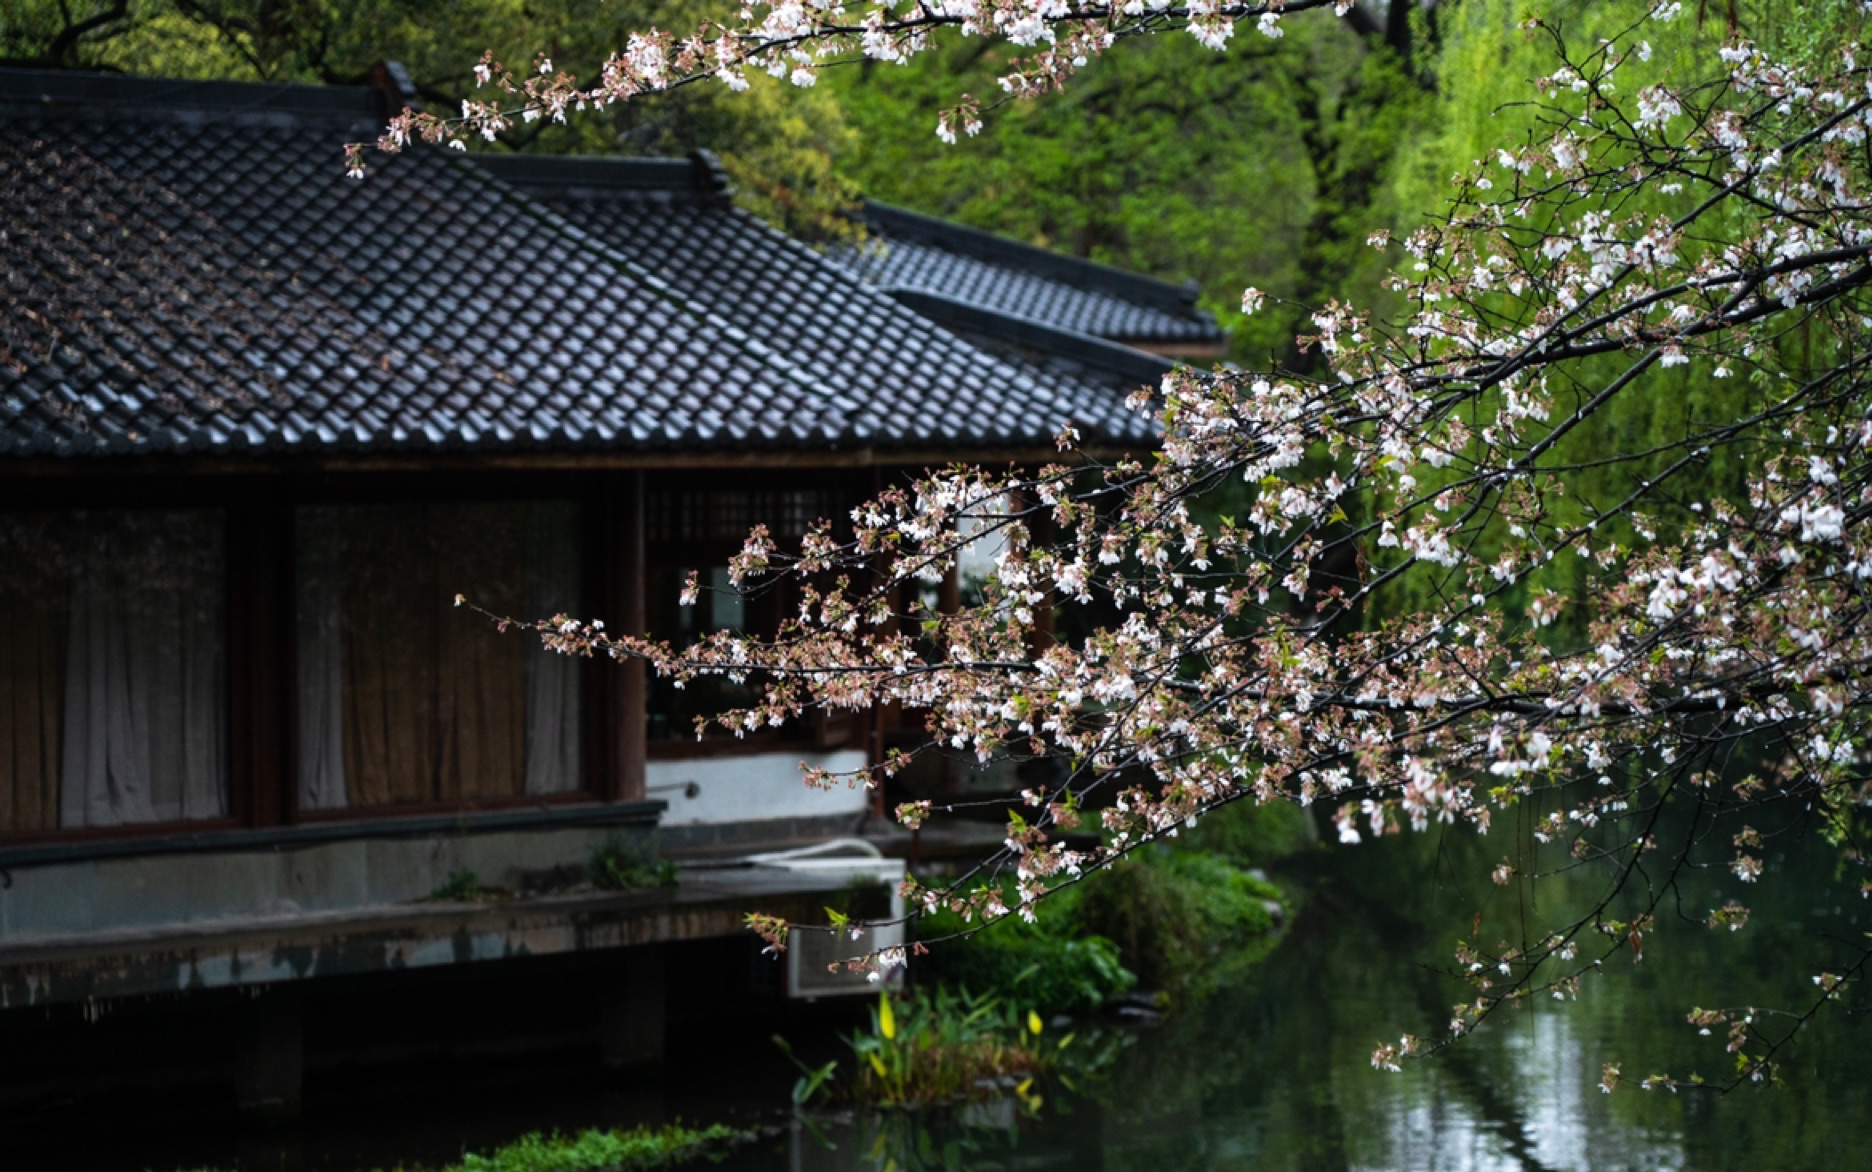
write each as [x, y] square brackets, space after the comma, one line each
[1274, 1072]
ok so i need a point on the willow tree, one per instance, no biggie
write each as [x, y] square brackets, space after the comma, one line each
[1454, 588]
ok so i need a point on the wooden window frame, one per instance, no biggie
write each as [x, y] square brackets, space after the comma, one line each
[258, 510]
[259, 506]
[840, 490]
[142, 494]
[584, 489]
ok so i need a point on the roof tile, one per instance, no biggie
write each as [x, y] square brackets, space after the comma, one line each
[196, 256]
[923, 254]
[884, 362]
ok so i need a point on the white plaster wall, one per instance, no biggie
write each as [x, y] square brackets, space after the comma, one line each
[754, 788]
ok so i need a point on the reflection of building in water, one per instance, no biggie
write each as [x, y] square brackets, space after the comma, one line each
[1548, 1115]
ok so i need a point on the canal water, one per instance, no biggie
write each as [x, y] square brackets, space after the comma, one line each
[1273, 1071]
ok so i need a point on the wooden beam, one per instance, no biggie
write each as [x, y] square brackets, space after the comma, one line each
[22, 474]
[260, 584]
[633, 692]
[632, 1015]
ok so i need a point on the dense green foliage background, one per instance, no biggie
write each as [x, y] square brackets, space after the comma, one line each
[1261, 165]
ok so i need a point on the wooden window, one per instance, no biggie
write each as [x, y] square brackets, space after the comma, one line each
[113, 668]
[696, 528]
[722, 517]
[404, 699]
[718, 607]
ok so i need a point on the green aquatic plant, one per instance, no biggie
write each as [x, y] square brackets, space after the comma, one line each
[593, 1150]
[950, 1046]
[639, 1147]
[814, 1082]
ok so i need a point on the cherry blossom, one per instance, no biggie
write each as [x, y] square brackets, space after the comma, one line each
[1408, 615]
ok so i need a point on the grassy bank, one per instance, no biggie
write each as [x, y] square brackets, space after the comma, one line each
[987, 1014]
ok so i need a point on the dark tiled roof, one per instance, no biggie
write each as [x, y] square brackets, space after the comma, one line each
[672, 218]
[184, 267]
[923, 254]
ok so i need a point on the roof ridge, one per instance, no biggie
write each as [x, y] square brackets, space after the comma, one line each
[891, 221]
[596, 176]
[1035, 334]
[70, 92]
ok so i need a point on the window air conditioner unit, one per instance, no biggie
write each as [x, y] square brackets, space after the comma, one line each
[815, 960]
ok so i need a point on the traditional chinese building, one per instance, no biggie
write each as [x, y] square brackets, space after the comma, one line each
[260, 423]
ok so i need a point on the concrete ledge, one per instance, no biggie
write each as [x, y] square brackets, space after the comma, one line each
[727, 839]
[744, 787]
[316, 833]
[260, 951]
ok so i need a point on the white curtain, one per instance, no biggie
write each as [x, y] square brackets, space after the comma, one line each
[319, 582]
[415, 559]
[145, 728]
[553, 741]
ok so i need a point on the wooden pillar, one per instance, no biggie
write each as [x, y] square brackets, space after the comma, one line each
[632, 1014]
[260, 653]
[949, 594]
[269, 1056]
[1043, 534]
[948, 602]
[630, 716]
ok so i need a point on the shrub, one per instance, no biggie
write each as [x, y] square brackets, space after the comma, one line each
[1181, 920]
[1174, 920]
[1044, 965]
[1251, 834]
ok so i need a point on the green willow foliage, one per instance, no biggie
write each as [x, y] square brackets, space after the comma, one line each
[1483, 70]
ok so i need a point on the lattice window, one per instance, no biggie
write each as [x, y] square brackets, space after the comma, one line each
[725, 515]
